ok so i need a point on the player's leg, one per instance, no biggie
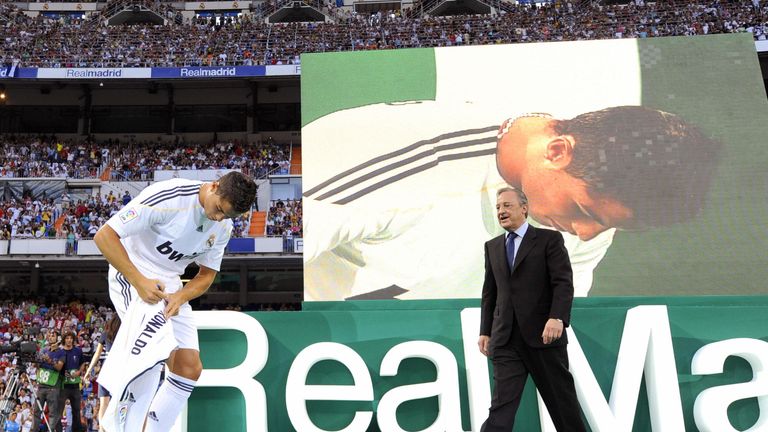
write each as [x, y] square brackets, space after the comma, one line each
[184, 368]
[128, 411]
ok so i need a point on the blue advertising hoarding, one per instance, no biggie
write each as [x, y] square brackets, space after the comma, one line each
[209, 72]
[187, 72]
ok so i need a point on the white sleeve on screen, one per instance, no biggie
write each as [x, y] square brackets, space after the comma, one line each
[333, 225]
[212, 258]
[135, 218]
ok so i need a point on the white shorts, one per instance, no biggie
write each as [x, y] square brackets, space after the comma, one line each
[122, 293]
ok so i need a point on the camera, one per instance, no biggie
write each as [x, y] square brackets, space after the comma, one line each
[26, 351]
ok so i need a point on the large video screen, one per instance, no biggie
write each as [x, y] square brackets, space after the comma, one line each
[647, 154]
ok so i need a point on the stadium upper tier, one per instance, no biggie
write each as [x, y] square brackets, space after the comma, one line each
[24, 157]
[42, 42]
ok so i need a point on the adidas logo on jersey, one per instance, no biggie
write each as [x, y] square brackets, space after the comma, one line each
[153, 416]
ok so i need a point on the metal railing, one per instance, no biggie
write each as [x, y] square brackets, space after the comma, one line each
[130, 182]
[115, 6]
[276, 6]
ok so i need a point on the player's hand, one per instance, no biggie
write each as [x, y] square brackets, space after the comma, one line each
[151, 290]
[173, 303]
[483, 343]
[553, 330]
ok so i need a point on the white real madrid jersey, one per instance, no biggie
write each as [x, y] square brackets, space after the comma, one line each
[164, 229]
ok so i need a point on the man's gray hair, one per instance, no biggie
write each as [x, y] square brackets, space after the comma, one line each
[520, 194]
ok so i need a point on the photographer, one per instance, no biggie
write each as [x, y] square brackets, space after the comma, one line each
[74, 366]
[49, 382]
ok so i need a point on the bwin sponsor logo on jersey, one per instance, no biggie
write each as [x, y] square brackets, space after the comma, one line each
[153, 324]
[173, 255]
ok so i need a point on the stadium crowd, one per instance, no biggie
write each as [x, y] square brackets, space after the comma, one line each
[36, 218]
[30, 321]
[23, 156]
[284, 218]
[139, 161]
[64, 219]
[47, 157]
[247, 40]
[34, 321]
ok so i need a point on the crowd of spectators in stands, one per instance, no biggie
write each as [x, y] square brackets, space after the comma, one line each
[47, 156]
[139, 161]
[284, 218]
[36, 218]
[28, 218]
[81, 219]
[248, 40]
[41, 156]
[29, 321]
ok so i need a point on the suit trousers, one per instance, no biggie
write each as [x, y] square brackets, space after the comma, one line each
[548, 367]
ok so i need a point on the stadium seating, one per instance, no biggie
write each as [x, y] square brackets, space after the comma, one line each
[248, 40]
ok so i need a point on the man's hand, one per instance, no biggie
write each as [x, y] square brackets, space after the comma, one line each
[482, 343]
[173, 302]
[151, 290]
[553, 329]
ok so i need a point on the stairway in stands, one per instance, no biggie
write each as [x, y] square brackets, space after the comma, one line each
[59, 222]
[296, 160]
[258, 224]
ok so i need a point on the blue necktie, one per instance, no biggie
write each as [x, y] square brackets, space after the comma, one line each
[511, 250]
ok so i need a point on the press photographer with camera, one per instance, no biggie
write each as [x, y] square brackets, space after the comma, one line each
[74, 367]
[51, 359]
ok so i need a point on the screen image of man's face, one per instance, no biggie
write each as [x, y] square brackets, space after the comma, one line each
[531, 156]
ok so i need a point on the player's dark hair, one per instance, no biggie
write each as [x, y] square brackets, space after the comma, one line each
[238, 189]
[653, 162]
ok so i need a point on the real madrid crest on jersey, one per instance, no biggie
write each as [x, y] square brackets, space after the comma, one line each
[211, 240]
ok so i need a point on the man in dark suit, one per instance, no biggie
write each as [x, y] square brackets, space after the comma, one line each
[526, 305]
